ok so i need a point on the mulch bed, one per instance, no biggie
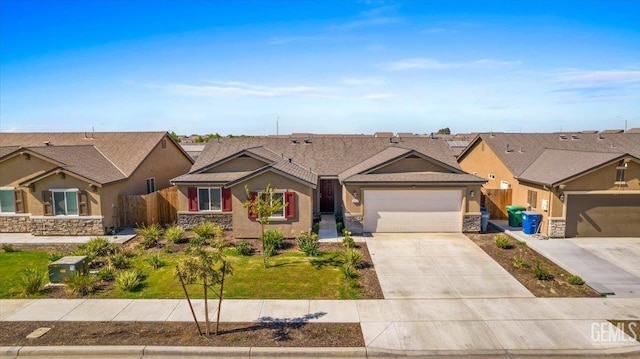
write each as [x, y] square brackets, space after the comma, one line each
[184, 334]
[556, 287]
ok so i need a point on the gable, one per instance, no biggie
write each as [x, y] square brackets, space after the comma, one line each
[21, 167]
[482, 160]
[242, 163]
[410, 164]
[604, 178]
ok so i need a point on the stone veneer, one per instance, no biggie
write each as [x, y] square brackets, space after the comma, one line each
[353, 223]
[56, 226]
[557, 227]
[471, 223]
[15, 223]
[189, 220]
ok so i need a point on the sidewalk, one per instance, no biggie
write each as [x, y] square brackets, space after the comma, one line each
[123, 236]
[328, 232]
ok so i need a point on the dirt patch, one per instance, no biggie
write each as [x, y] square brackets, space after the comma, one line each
[556, 287]
[184, 334]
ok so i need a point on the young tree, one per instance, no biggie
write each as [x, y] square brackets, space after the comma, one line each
[263, 205]
[444, 131]
[174, 136]
[206, 267]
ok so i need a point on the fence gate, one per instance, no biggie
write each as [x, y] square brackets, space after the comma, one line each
[156, 207]
[495, 200]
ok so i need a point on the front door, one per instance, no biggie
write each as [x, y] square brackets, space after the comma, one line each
[326, 196]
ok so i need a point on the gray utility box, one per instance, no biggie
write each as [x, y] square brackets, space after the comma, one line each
[65, 267]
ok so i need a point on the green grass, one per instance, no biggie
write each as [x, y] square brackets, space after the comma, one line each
[290, 275]
[13, 262]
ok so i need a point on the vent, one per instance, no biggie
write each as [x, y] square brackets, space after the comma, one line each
[563, 137]
[509, 149]
[294, 142]
[575, 137]
[307, 142]
[47, 143]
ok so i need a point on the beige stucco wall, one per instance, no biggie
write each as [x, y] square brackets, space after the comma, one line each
[481, 159]
[56, 181]
[238, 164]
[17, 169]
[411, 165]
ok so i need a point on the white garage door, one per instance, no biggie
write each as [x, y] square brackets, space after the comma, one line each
[396, 211]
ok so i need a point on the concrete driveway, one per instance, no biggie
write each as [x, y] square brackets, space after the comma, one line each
[438, 265]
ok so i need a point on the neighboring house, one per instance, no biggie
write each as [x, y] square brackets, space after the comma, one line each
[380, 183]
[584, 184]
[69, 183]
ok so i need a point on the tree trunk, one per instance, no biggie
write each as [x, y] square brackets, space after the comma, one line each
[224, 269]
[264, 249]
[195, 319]
[206, 305]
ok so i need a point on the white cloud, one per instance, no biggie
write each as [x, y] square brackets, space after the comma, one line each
[363, 81]
[421, 63]
[235, 88]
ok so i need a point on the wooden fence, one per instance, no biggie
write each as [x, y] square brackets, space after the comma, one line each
[496, 200]
[157, 207]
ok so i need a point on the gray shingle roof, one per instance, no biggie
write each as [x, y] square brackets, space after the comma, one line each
[6, 150]
[415, 177]
[295, 170]
[383, 156]
[554, 166]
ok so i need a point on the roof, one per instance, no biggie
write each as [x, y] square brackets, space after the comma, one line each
[554, 166]
[383, 156]
[221, 177]
[325, 155]
[518, 151]
[126, 150]
[415, 177]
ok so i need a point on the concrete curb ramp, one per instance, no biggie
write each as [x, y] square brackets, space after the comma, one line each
[279, 352]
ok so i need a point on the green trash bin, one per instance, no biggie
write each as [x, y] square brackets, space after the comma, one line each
[515, 215]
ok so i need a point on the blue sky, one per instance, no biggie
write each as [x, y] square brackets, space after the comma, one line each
[319, 66]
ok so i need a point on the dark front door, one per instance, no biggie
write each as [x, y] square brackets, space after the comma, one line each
[326, 196]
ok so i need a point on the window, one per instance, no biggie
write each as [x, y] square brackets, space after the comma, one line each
[209, 199]
[504, 185]
[7, 201]
[151, 185]
[277, 196]
[620, 173]
[532, 198]
[492, 176]
[65, 202]
[164, 143]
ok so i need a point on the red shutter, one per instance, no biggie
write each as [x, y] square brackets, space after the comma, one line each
[290, 200]
[253, 196]
[193, 199]
[226, 200]
[47, 201]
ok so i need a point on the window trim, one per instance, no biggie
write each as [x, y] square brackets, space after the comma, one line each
[66, 210]
[209, 192]
[151, 180]
[12, 190]
[283, 215]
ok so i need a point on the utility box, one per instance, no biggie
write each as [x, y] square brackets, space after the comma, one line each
[66, 267]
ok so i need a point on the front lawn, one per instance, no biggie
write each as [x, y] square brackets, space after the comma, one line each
[12, 263]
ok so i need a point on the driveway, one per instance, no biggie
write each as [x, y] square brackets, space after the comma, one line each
[438, 265]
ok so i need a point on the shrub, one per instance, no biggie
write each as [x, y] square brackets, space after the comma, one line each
[540, 272]
[352, 257]
[196, 241]
[82, 284]
[245, 248]
[54, 256]
[155, 261]
[274, 238]
[30, 282]
[150, 235]
[96, 247]
[119, 261]
[519, 262]
[175, 234]
[167, 250]
[349, 271]
[106, 273]
[575, 280]
[502, 241]
[8, 248]
[339, 227]
[348, 241]
[315, 228]
[129, 281]
[308, 244]
[207, 230]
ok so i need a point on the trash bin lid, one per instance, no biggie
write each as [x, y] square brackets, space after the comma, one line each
[515, 208]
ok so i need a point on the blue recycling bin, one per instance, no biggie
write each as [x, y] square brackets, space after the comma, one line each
[530, 222]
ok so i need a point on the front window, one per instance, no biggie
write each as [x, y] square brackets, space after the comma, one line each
[7, 201]
[277, 196]
[209, 199]
[65, 202]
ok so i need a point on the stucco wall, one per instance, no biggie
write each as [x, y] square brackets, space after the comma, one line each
[411, 165]
[238, 164]
[57, 181]
[482, 160]
[17, 169]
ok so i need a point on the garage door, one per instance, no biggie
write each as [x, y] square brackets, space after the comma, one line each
[396, 211]
[603, 215]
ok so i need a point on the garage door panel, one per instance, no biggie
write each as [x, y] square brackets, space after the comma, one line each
[412, 211]
[603, 215]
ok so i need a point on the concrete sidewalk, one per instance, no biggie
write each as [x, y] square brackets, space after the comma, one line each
[123, 236]
[493, 326]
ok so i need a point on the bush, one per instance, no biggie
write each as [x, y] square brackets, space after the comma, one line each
[502, 241]
[308, 244]
[340, 227]
[129, 281]
[575, 280]
[8, 248]
[540, 272]
[519, 262]
[353, 257]
[274, 238]
[54, 256]
[82, 284]
[207, 230]
[348, 241]
[349, 271]
[175, 234]
[106, 273]
[196, 241]
[30, 282]
[315, 228]
[119, 261]
[96, 247]
[155, 261]
[150, 235]
[245, 248]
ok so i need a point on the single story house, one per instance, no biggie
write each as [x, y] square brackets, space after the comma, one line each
[583, 184]
[381, 183]
[69, 183]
